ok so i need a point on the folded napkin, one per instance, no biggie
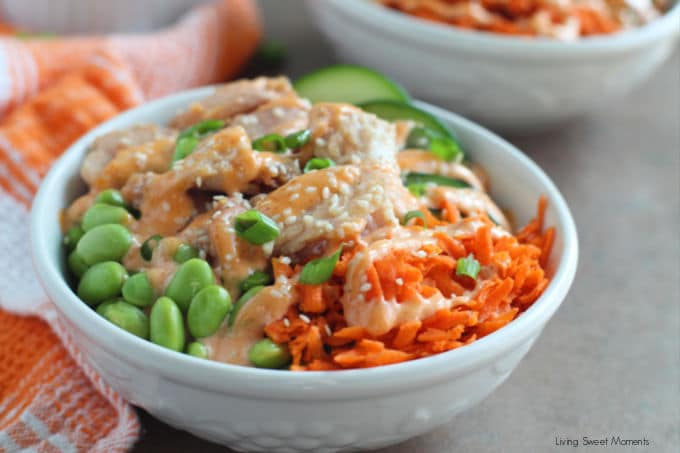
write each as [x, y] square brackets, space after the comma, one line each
[52, 90]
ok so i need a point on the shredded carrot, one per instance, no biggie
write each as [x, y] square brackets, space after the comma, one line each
[281, 269]
[518, 17]
[312, 299]
[513, 278]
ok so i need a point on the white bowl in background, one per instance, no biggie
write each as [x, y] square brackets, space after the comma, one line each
[506, 82]
[252, 409]
[93, 16]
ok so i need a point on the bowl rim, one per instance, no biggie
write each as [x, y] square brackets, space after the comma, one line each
[262, 383]
[374, 16]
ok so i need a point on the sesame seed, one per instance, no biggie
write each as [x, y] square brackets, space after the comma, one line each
[365, 287]
[327, 329]
[201, 254]
[291, 220]
[363, 204]
[275, 293]
[399, 281]
[335, 199]
[308, 219]
[228, 257]
[278, 112]
[294, 197]
[165, 206]
[325, 193]
[286, 322]
[320, 141]
[345, 189]
[199, 181]
[310, 189]
[285, 260]
[305, 318]
[287, 211]
[421, 254]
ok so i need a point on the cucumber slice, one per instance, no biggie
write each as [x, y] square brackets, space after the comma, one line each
[348, 83]
[393, 110]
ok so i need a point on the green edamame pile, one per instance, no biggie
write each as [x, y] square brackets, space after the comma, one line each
[192, 306]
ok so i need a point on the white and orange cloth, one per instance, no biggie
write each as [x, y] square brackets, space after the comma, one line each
[51, 92]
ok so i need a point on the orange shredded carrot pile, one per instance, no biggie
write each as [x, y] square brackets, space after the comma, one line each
[517, 17]
[512, 278]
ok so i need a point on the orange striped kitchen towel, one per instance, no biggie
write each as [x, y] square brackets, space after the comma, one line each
[51, 92]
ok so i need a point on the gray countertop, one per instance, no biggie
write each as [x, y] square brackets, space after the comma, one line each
[608, 363]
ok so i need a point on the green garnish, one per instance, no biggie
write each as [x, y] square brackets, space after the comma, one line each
[298, 139]
[255, 227]
[443, 147]
[189, 137]
[468, 267]
[319, 270]
[201, 129]
[414, 214]
[257, 278]
[271, 142]
[417, 189]
[439, 180]
[318, 163]
[184, 147]
[148, 246]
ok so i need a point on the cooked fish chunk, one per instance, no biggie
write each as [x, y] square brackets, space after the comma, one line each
[348, 135]
[153, 156]
[235, 98]
[334, 204]
[425, 162]
[104, 148]
[281, 116]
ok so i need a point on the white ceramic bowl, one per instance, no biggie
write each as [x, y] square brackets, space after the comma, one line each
[94, 16]
[252, 409]
[505, 82]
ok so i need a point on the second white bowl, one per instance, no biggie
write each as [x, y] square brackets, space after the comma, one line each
[506, 82]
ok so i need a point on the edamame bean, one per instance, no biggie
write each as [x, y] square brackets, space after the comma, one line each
[138, 291]
[191, 277]
[104, 243]
[101, 214]
[126, 316]
[72, 237]
[166, 325]
[267, 354]
[101, 282]
[77, 264]
[197, 349]
[242, 301]
[111, 197]
[184, 253]
[207, 311]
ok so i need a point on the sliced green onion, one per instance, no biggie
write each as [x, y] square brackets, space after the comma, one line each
[184, 253]
[245, 297]
[417, 189]
[271, 142]
[468, 267]
[298, 139]
[412, 215]
[318, 163]
[257, 278]
[319, 270]
[255, 227]
[148, 246]
[443, 147]
[184, 147]
[439, 180]
[200, 129]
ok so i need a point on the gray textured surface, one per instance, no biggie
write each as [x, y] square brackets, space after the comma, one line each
[609, 361]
